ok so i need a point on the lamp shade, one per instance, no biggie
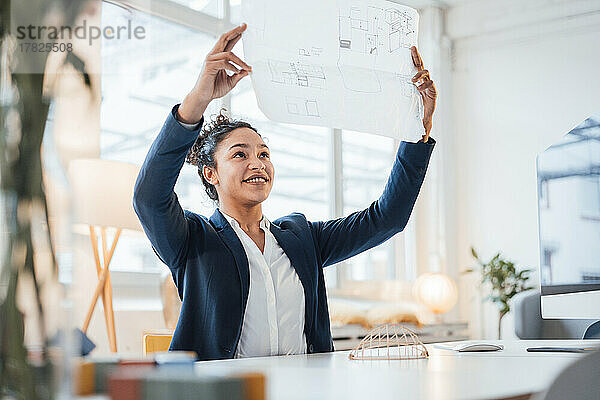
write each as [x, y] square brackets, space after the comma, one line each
[103, 193]
[437, 291]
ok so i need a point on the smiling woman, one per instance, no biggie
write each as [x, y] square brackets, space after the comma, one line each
[203, 153]
[251, 287]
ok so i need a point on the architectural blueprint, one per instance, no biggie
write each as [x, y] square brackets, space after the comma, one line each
[339, 64]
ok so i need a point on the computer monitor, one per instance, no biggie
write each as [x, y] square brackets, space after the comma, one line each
[568, 177]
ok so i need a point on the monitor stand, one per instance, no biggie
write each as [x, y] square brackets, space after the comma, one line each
[592, 332]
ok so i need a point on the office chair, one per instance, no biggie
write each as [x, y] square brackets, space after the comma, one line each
[580, 380]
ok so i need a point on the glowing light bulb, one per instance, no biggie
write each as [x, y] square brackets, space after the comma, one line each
[437, 291]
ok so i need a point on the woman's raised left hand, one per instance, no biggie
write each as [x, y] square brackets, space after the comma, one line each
[427, 90]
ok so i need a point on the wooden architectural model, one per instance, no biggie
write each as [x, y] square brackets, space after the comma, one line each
[389, 342]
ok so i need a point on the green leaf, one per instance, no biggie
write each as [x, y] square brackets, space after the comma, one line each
[504, 279]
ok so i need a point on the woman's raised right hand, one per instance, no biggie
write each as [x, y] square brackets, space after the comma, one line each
[214, 82]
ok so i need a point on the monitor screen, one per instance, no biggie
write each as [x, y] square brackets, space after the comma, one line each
[568, 177]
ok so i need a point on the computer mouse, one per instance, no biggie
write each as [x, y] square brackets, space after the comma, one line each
[465, 347]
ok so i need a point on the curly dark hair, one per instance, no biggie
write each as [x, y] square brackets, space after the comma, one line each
[203, 151]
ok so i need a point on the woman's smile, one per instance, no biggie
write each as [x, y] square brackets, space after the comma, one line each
[257, 180]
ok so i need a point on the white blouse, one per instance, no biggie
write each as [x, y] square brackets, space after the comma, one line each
[274, 319]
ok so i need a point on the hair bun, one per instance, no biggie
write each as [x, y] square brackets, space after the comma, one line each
[215, 120]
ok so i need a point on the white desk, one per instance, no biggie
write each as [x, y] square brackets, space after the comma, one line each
[510, 373]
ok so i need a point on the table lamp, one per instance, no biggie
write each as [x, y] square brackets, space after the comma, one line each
[437, 291]
[103, 195]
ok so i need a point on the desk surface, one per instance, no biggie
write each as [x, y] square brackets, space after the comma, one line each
[445, 374]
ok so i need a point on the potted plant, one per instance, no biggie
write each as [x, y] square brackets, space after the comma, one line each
[505, 282]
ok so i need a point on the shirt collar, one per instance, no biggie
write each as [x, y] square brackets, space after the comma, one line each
[265, 224]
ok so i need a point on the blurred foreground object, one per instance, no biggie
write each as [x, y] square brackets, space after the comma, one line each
[169, 375]
[29, 291]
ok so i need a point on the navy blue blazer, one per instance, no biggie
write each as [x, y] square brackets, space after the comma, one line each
[209, 264]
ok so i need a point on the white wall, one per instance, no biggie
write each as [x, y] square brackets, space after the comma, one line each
[524, 74]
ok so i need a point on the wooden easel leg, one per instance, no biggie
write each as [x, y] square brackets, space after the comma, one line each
[99, 291]
[104, 287]
[112, 335]
[94, 240]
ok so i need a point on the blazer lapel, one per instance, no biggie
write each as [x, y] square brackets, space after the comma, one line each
[232, 241]
[293, 248]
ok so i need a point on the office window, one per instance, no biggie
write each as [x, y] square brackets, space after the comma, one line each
[141, 81]
[367, 161]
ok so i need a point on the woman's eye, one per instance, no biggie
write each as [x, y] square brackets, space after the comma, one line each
[265, 154]
[239, 154]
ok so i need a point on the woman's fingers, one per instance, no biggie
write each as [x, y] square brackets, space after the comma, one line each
[225, 38]
[232, 42]
[426, 89]
[234, 79]
[235, 59]
[416, 58]
[218, 65]
[425, 86]
[214, 80]
[229, 56]
[421, 76]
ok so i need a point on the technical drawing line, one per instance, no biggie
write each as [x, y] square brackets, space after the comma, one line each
[297, 73]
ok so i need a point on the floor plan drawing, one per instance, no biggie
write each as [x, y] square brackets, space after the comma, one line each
[407, 87]
[297, 74]
[401, 29]
[302, 106]
[312, 51]
[343, 64]
[371, 30]
[360, 30]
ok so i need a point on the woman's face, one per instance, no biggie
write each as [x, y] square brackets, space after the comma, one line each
[244, 172]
